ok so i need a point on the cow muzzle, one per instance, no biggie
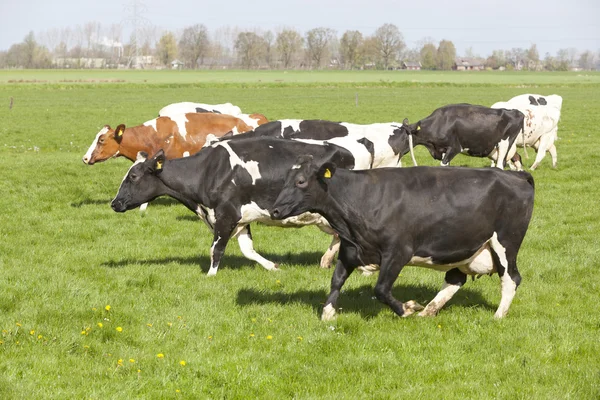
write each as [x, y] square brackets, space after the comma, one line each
[275, 213]
[118, 206]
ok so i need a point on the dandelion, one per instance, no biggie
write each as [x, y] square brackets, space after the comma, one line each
[83, 332]
[253, 320]
[131, 360]
[139, 370]
[18, 324]
[32, 332]
[210, 338]
[160, 355]
[119, 329]
[149, 325]
[252, 335]
[107, 307]
[269, 337]
[100, 325]
[40, 337]
[179, 317]
[177, 391]
[299, 338]
[182, 363]
[170, 324]
[278, 282]
[439, 326]
[120, 362]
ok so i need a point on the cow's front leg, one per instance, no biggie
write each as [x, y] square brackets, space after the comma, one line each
[244, 237]
[224, 225]
[340, 274]
[453, 280]
[390, 269]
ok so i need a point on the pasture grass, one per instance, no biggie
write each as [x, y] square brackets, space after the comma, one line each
[249, 333]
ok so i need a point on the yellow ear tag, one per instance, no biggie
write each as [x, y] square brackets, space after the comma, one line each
[419, 127]
[327, 173]
[158, 165]
[120, 132]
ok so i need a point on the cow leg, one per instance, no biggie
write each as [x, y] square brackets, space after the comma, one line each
[503, 148]
[453, 280]
[224, 226]
[390, 269]
[516, 161]
[244, 237]
[552, 151]
[340, 274]
[329, 255]
[511, 157]
[508, 272]
[545, 143]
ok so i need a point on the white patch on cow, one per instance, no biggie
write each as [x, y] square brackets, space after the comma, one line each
[379, 135]
[252, 212]
[234, 159]
[190, 107]
[186, 153]
[270, 146]
[151, 123]
[235, 131]
[88, 154]
[443, 296]
[502, 151]
[248, 251]
[213, 268]
[180, 120]
[368, 269]
[509, 287]
[328, 313]
[251, 122]
[296, 166]
[293, 123]
[362, 157]
[479, 263]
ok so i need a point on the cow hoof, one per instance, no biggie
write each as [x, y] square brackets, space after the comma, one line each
[328, 313]
[211, 272]
[410, 307]
[428, 313]
[275, 268]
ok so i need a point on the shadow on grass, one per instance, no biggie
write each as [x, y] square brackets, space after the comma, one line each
[309, 259]
[361, 300]
[162, 201]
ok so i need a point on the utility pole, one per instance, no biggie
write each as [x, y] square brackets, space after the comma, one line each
[135, 11]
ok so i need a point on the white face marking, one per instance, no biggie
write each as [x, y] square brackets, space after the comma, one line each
[234, 159]
[88, 154]
[270, 146]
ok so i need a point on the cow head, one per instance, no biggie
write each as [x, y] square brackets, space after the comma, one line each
[417, 136]
[105, 145]
[305, 187]
[141, 184]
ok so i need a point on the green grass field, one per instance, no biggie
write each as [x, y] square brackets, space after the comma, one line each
[172, 332]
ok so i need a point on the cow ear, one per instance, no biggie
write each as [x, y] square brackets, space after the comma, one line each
[141, 156]
[326, 171]
[418, 126]
[157, 162]
[119, 133]
[405, 122]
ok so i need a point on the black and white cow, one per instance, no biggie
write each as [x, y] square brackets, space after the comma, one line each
[530, 99]
[477, 131]
[464, 221]
[373, 145]
[228, 185]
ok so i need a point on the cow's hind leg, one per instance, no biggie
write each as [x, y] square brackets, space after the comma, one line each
[244, 237]
[383, 289]
[224, 225]
[453, 280]
[545, 143]
[552, 151]
[340, 274]
[509, 274]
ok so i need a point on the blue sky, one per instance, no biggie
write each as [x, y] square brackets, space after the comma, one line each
[484, 25]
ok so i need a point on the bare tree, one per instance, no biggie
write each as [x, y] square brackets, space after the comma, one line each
[288, 43]
[350, 45]
[317, 40]
[586, 60]
[269, 40]
[389, 42]
[250, 48]
[193, 45]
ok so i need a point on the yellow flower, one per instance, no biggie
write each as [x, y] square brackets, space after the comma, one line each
[439, 326]
[139, 370]
[182, 363]
[179, 317]
[160, 355]
[83, 332]
[170, 324]
[18, 324]
[210, 338]
[252, 335]
[100, 325]
[107, 308]
[131, 360]
[253, 320]
[177, 391]
[40, 336]
[299, 338]
[120, 362]
[269, 337]
[119, 329]
[32, 332]
[149, 325]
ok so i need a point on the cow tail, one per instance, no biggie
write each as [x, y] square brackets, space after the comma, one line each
[412, 150]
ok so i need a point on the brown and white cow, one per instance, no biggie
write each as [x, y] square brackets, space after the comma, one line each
[179, 136]
[252, 120]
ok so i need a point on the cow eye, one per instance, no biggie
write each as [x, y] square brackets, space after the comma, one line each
[101, 140]
[301, 182]
[134, 177]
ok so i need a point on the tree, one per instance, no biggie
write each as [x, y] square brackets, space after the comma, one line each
[349, 48]
[562, 59]
[29, 50]
[533, 56]
[429, 56]
[586, 60]
[446, 55]
[166, 49]
[317, 40]
[250, 48]
[368, 52]
[268, 39]
[193, 45]
[389, 42]
[288, 43]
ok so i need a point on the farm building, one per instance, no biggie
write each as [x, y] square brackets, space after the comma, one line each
[411, 65]
[468, 64]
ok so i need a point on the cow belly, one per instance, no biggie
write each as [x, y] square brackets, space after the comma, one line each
[480, 263]
[253, 213]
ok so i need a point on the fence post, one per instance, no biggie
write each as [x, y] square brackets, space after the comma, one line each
[356, 99]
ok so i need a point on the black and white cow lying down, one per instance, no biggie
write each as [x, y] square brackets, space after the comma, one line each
[372, 145]
[229, 185]
[477, 131]
[463, 221]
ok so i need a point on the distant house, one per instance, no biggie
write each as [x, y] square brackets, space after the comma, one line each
[468, 64]
[411, 65]
[176, 64]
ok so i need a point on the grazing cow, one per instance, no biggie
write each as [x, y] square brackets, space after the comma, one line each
[190, 107]
[228, 185]
[463, 221]
[464, 128]
[540, 129]
[187, 132]
[252, 120]
[373, 145]
[528, 99]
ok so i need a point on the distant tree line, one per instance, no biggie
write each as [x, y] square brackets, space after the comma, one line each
[95, 46]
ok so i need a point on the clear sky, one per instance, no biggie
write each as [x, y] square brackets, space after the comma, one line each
[484, 25]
